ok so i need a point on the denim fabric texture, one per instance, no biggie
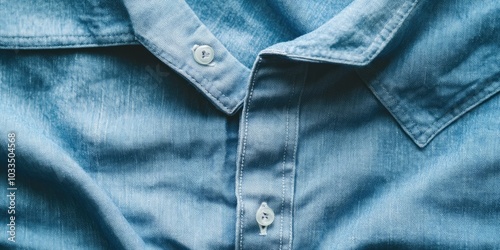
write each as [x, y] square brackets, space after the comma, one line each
[362, 124]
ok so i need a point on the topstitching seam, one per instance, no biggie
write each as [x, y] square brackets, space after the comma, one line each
[243, 151]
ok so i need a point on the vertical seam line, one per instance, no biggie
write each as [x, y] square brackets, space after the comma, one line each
[243, 152]
[294, 157]
[287, 129]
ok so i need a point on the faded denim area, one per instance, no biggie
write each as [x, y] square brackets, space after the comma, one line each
[364, 124]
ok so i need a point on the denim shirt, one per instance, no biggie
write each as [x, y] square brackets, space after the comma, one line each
[351, 124]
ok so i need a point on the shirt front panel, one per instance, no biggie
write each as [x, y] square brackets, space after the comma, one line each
[362, 183]
[117, 150]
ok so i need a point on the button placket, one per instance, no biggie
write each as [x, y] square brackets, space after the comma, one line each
[266, 166]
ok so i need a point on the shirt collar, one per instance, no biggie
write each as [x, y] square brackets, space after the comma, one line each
[355, 36]
[170, 29]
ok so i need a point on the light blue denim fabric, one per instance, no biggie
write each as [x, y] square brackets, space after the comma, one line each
[364, 124]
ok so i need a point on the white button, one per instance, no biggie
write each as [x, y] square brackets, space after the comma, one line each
[265, 217]
[203, 54]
